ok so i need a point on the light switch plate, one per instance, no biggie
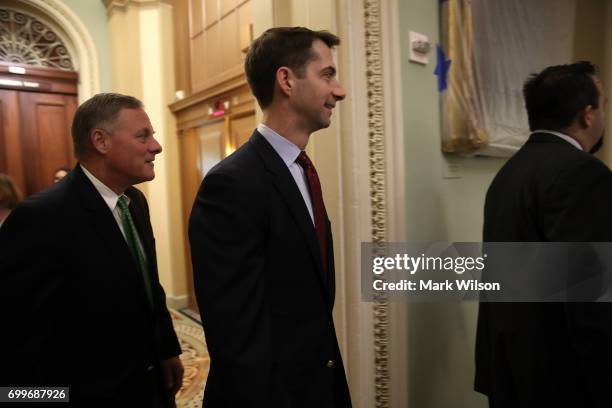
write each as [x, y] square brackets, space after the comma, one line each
[417, 40]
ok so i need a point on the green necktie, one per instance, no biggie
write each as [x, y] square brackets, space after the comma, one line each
[130, 235]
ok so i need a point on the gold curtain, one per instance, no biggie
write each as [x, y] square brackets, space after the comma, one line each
[463, 127]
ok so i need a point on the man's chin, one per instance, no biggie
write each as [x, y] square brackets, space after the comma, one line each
[324, 123]
[144, 178]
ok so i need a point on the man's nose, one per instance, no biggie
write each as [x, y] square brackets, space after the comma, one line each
[339, 93]
[155, 146]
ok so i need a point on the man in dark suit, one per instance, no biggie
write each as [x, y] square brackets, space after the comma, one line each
[82, 304]
[261, 241]
[551, 190]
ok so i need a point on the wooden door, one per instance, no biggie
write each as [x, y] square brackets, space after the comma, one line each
[242, 129]
[46, 122]
[35, 136]
[200, 149]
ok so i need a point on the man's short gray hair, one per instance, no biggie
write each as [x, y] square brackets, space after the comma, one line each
[100, 111]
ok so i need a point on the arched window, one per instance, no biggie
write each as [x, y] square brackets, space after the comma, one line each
[26, 40]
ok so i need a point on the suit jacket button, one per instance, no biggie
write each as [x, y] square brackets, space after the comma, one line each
[330, 364]
[149, 368]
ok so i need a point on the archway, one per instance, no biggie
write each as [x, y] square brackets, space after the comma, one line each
[74, 35]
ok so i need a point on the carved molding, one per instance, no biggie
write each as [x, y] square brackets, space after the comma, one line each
[26, 40]
[122, 4]
[375, 92]
[75, 35]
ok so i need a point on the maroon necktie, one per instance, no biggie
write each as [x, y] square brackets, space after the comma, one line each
[318, 208]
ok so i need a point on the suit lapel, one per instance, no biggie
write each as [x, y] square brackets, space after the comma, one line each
[103, 222]
[285, 184]
[100, 216]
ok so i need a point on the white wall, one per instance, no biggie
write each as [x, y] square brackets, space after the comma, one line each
[440, 336]
[93, 15]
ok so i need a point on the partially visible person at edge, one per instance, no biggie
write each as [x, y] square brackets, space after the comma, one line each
[10, 196]
[552, 190]
[60, 173]
[81, 300]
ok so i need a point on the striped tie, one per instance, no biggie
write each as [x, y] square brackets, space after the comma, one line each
[130, 236]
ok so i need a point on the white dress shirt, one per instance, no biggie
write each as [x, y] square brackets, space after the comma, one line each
[111, 198]
[563, 136]
[289, 152]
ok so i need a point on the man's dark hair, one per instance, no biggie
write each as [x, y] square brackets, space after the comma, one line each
[555, 96]
[280, 47]
[100, 111]
[9, 193]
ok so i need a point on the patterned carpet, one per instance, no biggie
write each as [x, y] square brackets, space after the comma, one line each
[195, 357]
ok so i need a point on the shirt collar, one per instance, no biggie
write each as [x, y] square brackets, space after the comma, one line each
[287, 150]
[563, 136]
[108, 195]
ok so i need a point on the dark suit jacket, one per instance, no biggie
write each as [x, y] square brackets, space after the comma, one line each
[547, 354]
[265, 298]
[74, 308]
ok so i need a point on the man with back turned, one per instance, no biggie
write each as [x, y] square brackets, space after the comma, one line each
[261, 241]
[552, 190]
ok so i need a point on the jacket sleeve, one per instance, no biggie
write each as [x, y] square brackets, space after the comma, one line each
[227, 235]
[169, 344]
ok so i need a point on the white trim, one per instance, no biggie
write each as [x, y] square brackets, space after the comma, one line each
[395, 192]
[77, 38]
[394, 123]
[356, 200]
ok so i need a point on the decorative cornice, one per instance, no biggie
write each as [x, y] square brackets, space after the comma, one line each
[219, 89]
[122, 4]
[374, 72]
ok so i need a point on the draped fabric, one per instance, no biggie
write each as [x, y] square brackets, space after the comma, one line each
[463, 121]
[493, 46]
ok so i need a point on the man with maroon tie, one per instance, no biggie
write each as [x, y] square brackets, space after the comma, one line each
[261, 241]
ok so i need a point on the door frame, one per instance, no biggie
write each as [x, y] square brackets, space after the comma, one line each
[29, 80]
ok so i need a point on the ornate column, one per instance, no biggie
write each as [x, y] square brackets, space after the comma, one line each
[376, 143]
[143, 65]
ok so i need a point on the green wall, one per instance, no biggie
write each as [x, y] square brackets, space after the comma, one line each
[93, 16]
[441, 336]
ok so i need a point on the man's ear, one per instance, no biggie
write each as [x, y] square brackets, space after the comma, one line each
[585, 117]
[99, 140]
[284, 80]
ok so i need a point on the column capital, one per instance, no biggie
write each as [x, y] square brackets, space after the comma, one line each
[112, 5]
